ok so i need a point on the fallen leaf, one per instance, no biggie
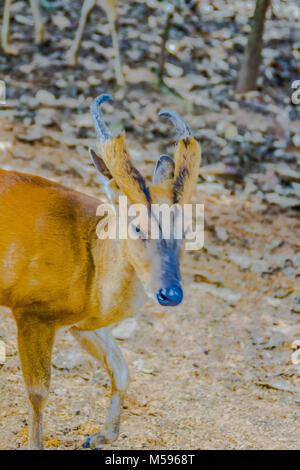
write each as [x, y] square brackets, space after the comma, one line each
[221, 292]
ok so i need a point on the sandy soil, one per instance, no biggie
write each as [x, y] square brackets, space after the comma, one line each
[214, 373]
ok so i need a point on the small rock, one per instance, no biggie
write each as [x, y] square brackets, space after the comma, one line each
[68, 360]
[173, 70]
[61, 22]
[274, 302]
[296, 140]
[275, 341]
[230, 131]
[221, 233]
[282, 201]
[45, 97]
[296, 309]
[126, 329]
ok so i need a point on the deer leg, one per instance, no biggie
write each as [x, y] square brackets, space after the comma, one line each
[102, 347]
[39, 29]
[113, 21]
[72, 54]
[35, 340]
[5, 30]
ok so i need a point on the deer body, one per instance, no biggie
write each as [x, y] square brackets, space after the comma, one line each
[58, 241]
[56, 272]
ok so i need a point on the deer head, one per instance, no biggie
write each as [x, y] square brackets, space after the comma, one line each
[154, 259]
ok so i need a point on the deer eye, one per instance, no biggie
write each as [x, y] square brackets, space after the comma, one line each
[139, 232]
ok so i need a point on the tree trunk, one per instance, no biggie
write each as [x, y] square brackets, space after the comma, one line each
[250, 68]
[165, 37]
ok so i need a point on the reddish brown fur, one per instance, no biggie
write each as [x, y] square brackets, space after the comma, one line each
[47, 233]
[120, 164]
[187, 161]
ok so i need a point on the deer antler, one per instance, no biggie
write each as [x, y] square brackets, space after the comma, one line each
[102, 130]
[117, 159]
[187, 159]
[183, 131]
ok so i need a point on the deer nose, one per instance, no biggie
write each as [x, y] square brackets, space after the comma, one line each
[170, 296]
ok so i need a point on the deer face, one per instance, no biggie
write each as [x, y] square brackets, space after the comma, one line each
[156, 261]
[152, 251]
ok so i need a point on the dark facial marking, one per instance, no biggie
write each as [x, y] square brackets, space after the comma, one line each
[186, 142]
[138, 178]
[179, 183]
[169, 251]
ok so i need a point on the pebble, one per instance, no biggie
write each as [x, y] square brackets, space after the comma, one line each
[126, 329]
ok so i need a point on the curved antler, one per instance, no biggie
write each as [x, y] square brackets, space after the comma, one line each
[187, 159]
[101, 128]
[116, 157]
[164, 169]
[183, 131]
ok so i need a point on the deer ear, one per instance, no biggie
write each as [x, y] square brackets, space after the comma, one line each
[111, 189]
[99, 164]
[164, 170]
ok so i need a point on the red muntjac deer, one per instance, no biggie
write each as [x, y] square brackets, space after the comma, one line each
[110, 7]
[56, 272]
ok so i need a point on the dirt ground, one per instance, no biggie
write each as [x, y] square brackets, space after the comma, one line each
[214, 373]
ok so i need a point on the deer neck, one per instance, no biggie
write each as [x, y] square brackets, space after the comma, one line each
[118, 293]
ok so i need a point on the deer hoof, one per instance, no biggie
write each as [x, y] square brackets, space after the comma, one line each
[71, 59]
[95, 441]
[10, 50]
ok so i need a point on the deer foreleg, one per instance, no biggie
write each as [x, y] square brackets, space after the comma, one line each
[102, 347]
[35, 340]
[5, 30]
[39, 29]
[111, 10]
[72, 54]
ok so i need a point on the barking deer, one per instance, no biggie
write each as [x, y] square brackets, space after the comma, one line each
[56, 272]
[110, 7]
[38, 26]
